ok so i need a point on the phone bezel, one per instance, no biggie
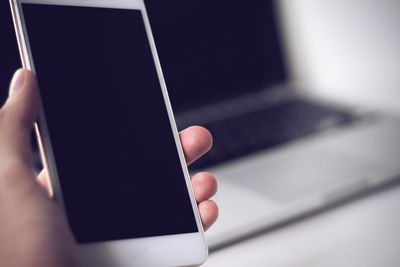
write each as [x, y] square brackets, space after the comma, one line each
[172, 250]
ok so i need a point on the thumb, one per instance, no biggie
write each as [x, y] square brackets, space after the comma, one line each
[17, 117]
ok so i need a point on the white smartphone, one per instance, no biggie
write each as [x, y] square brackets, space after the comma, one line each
[107, 133]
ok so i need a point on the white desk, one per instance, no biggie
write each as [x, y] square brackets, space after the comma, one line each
[364, 232]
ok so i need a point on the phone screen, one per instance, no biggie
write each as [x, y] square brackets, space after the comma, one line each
[116, 157]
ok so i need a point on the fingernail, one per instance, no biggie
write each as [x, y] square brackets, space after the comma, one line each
[17, 82]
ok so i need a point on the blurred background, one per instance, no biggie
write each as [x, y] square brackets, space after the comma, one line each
[9, 56]
[346, 49]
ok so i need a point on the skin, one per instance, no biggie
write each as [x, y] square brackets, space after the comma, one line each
[33, 230]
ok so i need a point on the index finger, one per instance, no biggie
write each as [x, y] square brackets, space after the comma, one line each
[196, 141]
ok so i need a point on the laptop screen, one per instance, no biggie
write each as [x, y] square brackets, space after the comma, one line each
[209, 50]
[212, 50]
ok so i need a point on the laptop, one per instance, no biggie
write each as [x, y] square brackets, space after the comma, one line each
[279, 153]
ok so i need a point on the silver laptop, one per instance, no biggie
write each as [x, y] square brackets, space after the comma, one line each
[278, 153]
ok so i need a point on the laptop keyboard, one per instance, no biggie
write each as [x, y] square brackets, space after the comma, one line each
[271, 127]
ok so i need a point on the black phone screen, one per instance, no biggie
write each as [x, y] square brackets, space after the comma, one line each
[117, 161]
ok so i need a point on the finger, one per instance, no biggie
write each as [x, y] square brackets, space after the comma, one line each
[17, 117]
[196, 141]
[208, 213]
[16, 121]
[204, 186]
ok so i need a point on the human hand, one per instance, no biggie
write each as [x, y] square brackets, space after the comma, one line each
[33, 230]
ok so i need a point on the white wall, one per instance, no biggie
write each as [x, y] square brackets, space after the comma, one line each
[347, 49]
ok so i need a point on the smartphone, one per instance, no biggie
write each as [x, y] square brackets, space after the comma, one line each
[107, 132]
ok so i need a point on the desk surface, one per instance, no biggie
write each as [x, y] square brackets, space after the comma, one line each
[364, 232]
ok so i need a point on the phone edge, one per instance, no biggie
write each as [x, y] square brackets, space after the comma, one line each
[40, 125]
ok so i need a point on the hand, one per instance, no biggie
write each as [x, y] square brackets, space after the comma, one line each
[33, 230]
